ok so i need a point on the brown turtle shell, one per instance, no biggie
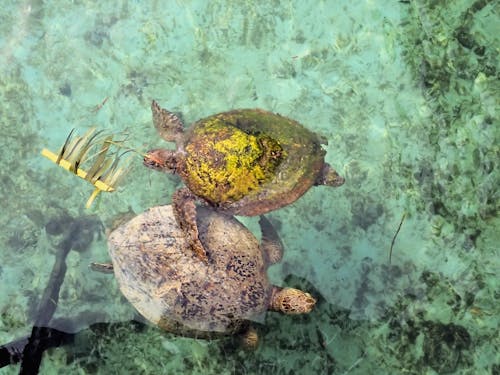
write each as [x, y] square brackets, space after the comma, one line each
[250, 161]
[168, 284]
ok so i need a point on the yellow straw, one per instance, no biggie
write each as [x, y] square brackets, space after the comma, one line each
[80, 172]
[99, 185]
[92, 197]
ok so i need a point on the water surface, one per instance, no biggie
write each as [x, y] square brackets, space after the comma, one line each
[406, 94]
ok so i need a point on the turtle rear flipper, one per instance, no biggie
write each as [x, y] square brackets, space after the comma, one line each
[329, 176]
[168, 124]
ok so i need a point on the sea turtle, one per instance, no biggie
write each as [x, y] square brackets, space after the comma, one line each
[163, 278]
[243, 162]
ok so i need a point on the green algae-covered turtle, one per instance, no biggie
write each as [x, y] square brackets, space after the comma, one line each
[243, 162]
[163, 278]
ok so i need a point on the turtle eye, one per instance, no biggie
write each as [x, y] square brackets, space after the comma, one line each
[151, 162]
[160, 160]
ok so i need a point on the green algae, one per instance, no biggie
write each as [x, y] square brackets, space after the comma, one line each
[224, 164]
[251, 155]
[455, 61]
[424, 142]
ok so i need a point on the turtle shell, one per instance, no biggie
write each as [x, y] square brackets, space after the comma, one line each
[251, 161]
[163, 279]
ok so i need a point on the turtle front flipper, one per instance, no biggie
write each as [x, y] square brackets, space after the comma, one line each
[271, 244]
[185, 214]
[250, 338]
[168, 124]
[329, 176]
[291, 301]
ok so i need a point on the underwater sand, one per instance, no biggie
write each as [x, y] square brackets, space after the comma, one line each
[407, 94]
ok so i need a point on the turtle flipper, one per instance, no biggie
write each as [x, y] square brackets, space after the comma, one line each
[185, 214]
[168, 124]
[101, 267]
[291, 301]
[250, 338]
[270, 243]
[329, 176]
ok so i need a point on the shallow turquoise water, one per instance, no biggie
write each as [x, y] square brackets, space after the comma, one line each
[407, 96]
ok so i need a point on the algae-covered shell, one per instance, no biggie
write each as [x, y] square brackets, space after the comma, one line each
[251, 161]
[163, 279]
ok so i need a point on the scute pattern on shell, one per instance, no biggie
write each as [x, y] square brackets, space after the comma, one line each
[280, 175]
[171, 287]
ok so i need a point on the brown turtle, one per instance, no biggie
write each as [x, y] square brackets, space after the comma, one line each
[243, 162]
[163, 278]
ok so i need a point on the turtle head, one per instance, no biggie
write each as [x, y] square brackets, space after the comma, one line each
[162, 160]
[292, 301]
